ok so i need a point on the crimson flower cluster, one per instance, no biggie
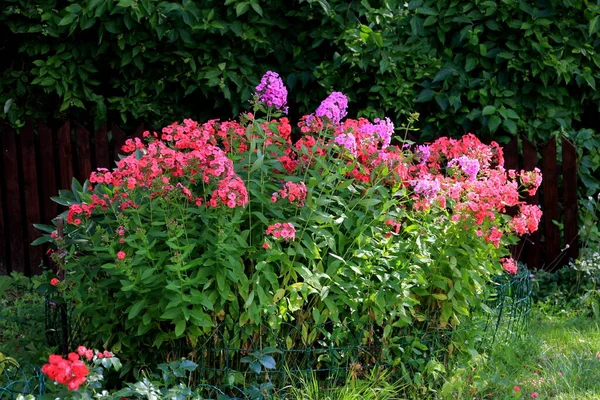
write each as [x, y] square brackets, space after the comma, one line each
[71, 371]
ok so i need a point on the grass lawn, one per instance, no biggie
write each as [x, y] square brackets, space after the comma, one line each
[559, 359]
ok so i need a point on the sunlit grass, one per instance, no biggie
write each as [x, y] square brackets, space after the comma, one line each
[559, 359]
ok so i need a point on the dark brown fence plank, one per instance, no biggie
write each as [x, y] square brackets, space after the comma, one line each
[101, 149]
[47, 164]
[550, 205]
[65, 156]
[569, 170]
[32, 200]
[16, 236]
[532, 249]
[511, 161]
[118, 139]
[84, 159]
[3, 235]
[139, 132]
[511, 154]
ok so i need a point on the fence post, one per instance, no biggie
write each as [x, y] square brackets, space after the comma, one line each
[532, 242]
[550, 188]
[65, 156]
[31, 196]
[14, 222]
[569, 170]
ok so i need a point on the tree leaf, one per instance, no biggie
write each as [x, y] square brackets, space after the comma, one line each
[267, 361]
[180, 327]
[425, 95]
[136, 308]
[241, 8]
[494, 123]
[488, 110]
[471, 62]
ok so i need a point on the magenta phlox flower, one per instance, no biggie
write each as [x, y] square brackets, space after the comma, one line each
[347, 140]
[429, 188]
[470, 166]
[381, 129]
[272, 92]
[423, 152]
[334, 107]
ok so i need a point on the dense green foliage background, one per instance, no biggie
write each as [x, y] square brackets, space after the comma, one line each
[492, 67]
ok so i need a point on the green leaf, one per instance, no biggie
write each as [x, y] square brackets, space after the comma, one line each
[67, 19]
[278, 295]
[125, 3]
[201, 318]
[446, 313]
[494, 123]
[431, 20]
[471, 62]
[443, 75]
[171, 314]
[267, 361]
[7, 105]
[426, 11]
[593, 27]
[41, 240]
[510, 126]
[180, 328]
[325, 6]
[136, 308]
[482, 50]
[257, 8]
[241, 8]
[488, 110]
[425, 95]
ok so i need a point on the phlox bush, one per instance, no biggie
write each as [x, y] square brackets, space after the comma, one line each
[233, 222]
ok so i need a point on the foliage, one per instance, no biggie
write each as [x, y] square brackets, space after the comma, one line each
[21, 318]
[232, 223]
[376, 385]
[574, 287]
[152, 60]
[485, 66]
[497, 68]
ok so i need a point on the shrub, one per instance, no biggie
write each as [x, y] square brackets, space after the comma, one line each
[232, 223]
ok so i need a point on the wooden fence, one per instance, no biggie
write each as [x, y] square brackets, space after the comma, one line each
[38, 161]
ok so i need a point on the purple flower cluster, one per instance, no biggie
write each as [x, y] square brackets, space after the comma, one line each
[272, 92]
[334, 107]
[423, 152]
[348, 141]
[384, 128]
[427, 188]
[470, 166]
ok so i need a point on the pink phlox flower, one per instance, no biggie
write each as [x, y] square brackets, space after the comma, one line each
[284, 230]
[509, 265]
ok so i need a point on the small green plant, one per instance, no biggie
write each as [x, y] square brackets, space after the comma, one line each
[22, 316]
[375, 385]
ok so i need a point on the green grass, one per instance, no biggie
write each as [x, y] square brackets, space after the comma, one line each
[21, 320]
[558, 359]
